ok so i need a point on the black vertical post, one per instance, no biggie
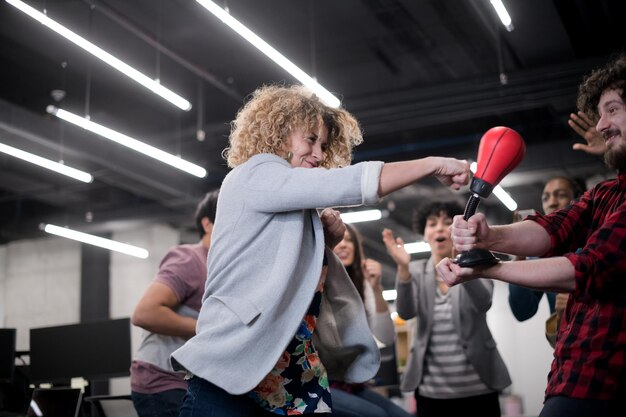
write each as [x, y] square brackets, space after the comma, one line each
[95, 295]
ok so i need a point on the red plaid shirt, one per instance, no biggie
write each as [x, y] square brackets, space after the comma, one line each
[590, 354]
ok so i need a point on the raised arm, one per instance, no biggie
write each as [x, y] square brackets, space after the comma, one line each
[449, 171]
[395, 249]
[380, 319]
[584, 126]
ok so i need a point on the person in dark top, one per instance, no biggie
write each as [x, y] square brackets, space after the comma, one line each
[558, 193]
[584, 253]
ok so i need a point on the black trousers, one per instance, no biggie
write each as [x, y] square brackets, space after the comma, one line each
[486, 405]
[575, 407]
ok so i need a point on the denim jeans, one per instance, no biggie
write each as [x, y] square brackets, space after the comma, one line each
[204, 399]
[366, 403]
[162, 404]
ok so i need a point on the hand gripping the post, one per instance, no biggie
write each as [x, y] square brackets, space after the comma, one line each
[501, 149]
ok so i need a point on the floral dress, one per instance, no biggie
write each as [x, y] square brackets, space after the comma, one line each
[298, 384]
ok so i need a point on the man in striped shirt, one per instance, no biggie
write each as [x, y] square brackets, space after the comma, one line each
[588, 374]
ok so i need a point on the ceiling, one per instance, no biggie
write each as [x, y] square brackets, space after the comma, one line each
[424, 77]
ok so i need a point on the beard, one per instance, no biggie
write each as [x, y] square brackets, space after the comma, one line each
[615, 156]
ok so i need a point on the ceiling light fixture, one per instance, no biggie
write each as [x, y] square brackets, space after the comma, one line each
[98, 52]
[499, 192]
[417, 247]
[46, 163]
[129, 142]
[504, 16]
[271, 53]
[361, 216]
[95, 240]
[505, 198]
[390, 295]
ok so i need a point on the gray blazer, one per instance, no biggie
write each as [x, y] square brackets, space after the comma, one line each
[470, 302]
[264, 265]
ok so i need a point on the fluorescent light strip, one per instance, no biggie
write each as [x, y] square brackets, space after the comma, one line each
[417, 247]
[499, 192]
[46, 163]
[35, 407]
[361, 216]
[116, 63]
[96, 241]
[129, 142]
[390, 295]
[271, 53]
[503, 14]
[505, 198]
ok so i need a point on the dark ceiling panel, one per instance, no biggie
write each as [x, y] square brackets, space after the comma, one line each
[423, 77]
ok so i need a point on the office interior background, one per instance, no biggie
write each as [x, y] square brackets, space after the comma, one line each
[423, 77]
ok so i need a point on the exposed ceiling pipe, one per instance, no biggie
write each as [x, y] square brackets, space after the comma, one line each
[115, 16]
[465, 100]
[21, 124]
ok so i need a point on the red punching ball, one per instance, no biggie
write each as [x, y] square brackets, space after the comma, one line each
[501, 149]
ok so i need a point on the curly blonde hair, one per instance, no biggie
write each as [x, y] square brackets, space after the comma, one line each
[273, 112]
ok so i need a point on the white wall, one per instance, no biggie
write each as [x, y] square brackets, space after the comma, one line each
[40, 285]
[40, 282]
[524, 348]
[130, 277]
[3, 293]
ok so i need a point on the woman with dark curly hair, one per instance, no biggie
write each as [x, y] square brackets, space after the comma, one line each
[588, 374]
[454, 364]
[279, 315]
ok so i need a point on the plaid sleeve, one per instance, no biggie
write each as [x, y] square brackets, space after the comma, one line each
[569, 227]
[600, 264]
[592, 237]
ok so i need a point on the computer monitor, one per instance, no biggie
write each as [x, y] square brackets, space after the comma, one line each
[7, 354]
[94, 351]
[55, 402]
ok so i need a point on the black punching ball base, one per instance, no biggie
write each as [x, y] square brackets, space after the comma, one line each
[475, 257]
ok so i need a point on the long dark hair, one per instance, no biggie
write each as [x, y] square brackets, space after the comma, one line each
[356, 269]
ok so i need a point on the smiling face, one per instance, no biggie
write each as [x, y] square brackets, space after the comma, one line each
[557, 194]
[612, 126]
[345, 250]
[437, 234]
[307, 147]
